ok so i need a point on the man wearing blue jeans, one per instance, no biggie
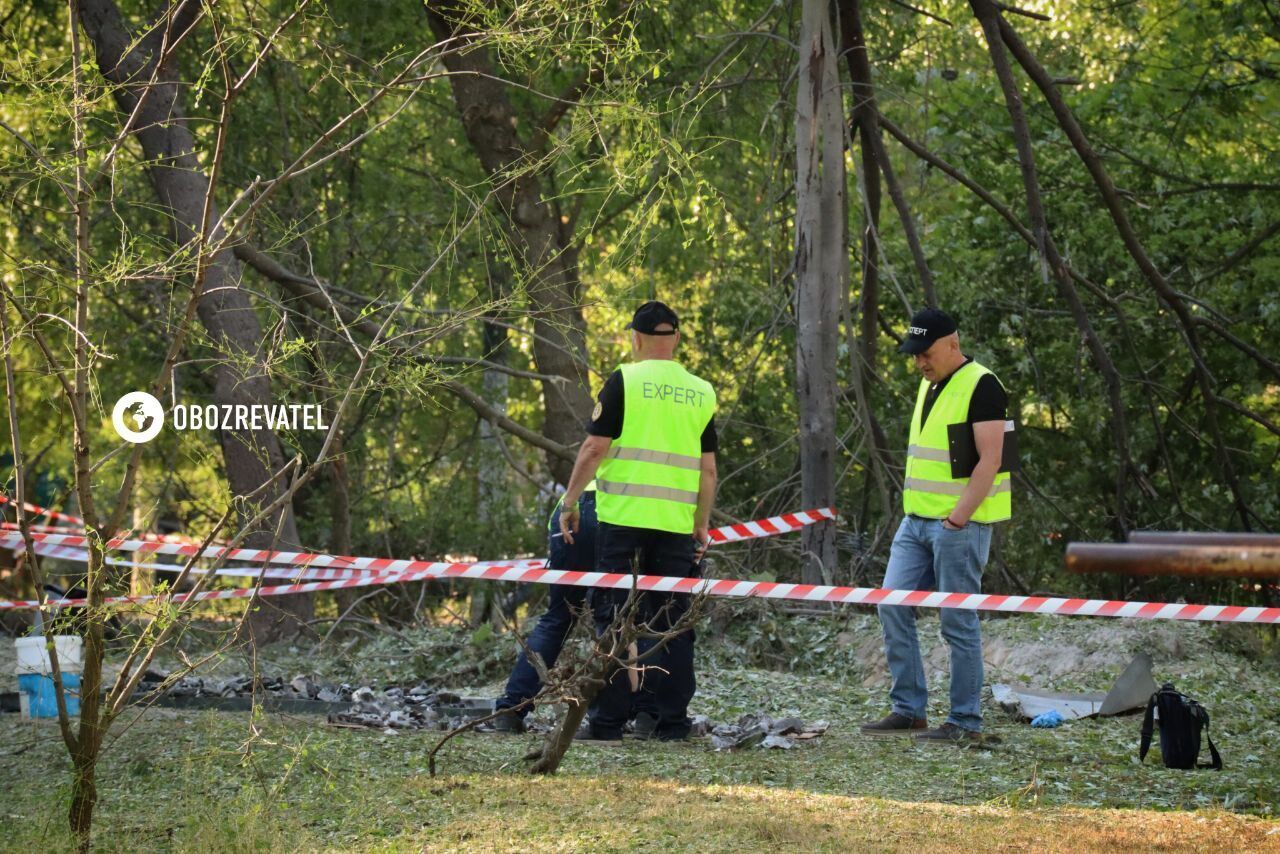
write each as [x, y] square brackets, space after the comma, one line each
[956, 486]
[564, 602]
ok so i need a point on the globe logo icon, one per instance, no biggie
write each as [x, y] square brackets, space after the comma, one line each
[137, 417]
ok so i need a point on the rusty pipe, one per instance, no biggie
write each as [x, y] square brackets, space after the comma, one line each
[1203, 538]
[1194, 561]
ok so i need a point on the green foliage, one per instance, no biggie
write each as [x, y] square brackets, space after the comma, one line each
[671, 166]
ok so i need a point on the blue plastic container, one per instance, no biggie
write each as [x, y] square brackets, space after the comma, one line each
[42, 700]
[35, 675]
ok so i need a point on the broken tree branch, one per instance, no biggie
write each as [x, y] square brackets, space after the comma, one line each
[1000, 29]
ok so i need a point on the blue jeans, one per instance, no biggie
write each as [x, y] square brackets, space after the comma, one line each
[564, 601]
[927, 556]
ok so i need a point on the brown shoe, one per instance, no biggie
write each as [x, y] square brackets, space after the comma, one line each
[949, 733]
[895, 724]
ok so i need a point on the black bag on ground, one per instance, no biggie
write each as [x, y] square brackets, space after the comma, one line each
[1181, 719]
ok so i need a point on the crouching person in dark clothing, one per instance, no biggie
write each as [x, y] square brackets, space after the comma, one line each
[564, 603]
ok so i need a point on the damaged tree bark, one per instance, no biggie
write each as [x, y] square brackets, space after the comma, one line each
[821, 275]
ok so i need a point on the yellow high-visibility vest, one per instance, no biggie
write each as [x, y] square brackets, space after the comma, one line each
[929, 489]
[649, 478]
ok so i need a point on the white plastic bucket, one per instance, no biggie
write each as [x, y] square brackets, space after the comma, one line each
[35, 675]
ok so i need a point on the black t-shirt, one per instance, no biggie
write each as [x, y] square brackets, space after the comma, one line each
[990, 402]
[607, 419]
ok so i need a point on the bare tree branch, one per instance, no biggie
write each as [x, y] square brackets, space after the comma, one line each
[1129, 237]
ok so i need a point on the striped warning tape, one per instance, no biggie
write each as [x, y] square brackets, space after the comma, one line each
[533, 571]
[364, 571]
[43, 511]
[298, 573]
[730, 533]
[72, 527]
[425, 571]
[40, 529]
[773, 525]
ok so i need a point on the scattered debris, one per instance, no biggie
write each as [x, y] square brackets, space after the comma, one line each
[1130, 692]
[1132, 689]
[396, 708]
[1028, 703]
[419, 707]
[393, 708]
[758, 729]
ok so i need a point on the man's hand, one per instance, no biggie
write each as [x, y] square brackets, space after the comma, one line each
[569, 522]
[702, 536]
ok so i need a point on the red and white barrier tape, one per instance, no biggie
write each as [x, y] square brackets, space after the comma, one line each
[270, 571]
[41, 529]
[363, 571]
[306, 569]
[533, 572]
[426, 570]
[730, 533]
[75, 523]
[43, 511]
[773, 525]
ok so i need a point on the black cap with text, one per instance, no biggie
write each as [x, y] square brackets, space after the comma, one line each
[650, 316]
[927, 326]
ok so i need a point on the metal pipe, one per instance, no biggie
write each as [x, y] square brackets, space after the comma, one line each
[1203, 538]
[1194, 561]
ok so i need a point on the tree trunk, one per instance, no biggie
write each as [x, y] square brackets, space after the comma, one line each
[821, 275]
[549, 268]
[494, 498]
[225, 310]
[84, 784]
[340, 514]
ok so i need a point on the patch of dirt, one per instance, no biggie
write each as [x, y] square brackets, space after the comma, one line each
[1045, 651]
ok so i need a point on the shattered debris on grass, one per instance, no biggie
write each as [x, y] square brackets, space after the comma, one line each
[758, 729]
[418, 707]
[397, 710]
[298, 688]
[1129, 694]
[392, 708]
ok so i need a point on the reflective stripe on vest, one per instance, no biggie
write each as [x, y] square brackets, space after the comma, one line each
[953, 487]
[640, 490]
[650, 476]
[929, 490]
[660, 457]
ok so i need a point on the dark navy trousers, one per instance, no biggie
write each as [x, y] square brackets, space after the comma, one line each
[667, 681]
[563, 603]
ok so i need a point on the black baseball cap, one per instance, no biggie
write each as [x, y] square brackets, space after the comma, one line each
[650, 316]
[927, 326]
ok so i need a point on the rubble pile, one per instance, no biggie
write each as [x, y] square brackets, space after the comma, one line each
[421, 707]
[756, 729]
[417, 707]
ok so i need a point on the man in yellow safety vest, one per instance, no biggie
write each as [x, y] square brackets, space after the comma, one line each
[956, 486]
[651, 449]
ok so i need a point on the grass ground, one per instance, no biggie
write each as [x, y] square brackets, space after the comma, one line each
[216, 781]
